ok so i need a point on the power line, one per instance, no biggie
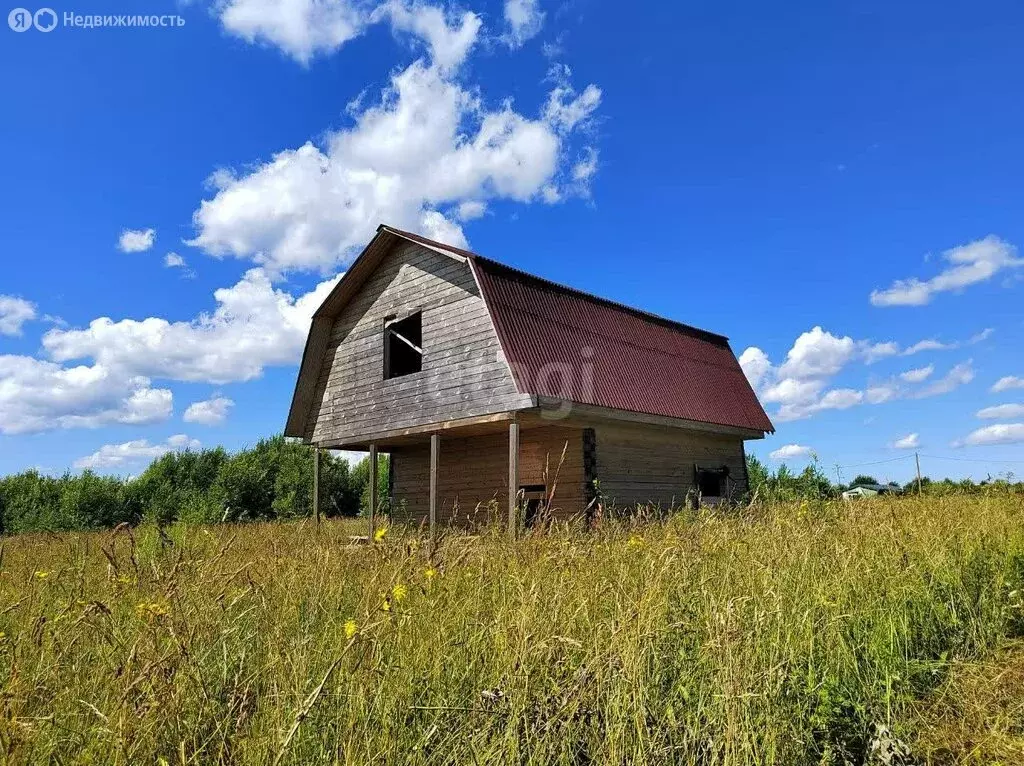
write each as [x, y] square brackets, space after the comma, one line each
[972, 460]
[877, 462]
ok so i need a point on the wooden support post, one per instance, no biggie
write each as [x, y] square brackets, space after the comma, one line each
[316, 484]
[435, 442]
[917, 460]
[373, 491]
[513, 478]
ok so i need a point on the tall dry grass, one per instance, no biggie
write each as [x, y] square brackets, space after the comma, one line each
[772, 636]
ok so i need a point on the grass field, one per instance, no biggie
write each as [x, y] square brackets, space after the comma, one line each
[780, 635]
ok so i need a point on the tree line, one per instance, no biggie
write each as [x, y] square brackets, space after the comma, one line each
[812, 482]
[272, 480]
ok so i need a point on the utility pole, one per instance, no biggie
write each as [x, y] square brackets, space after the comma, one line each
[917, 461]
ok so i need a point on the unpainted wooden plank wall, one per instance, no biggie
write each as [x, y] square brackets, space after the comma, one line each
[474, 471]
[644, 464]
[464, 372]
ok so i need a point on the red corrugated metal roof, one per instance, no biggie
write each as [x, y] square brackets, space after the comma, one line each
[571, 345]
[568, 344]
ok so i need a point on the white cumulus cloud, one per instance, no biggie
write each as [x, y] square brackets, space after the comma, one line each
[755, 364]
[910, 441]
[802, 384]
[37, 395]
[959, 375]
[817, 353]
[449, 39]
[253, 326]
[14, 312]
[210, 412]
[1001, 412]
[586, 167]
[1000, 433]
[471, 209]
[524, 19]
[1007, 383]
[429, 146]
[300, 28]
[917, 375]
[305, 29]
[174, 261]
[790, 451]
[136, 240]
[929, 344]
[879, 393]
[969, 264]
[133, 452]
[565, 109]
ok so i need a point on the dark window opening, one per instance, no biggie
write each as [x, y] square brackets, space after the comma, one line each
[711, 481]
[403, 346]
[534, 500]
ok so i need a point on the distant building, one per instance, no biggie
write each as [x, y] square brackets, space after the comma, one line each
[871, 490]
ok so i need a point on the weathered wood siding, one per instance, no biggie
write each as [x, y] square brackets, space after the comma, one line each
[652, 465]
[474, 471]
[464, 372]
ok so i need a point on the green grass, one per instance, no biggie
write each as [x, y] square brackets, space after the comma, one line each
[776, 635]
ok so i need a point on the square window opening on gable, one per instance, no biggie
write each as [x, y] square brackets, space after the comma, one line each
[403, 346]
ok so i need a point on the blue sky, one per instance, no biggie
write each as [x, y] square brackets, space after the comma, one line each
[837, 189]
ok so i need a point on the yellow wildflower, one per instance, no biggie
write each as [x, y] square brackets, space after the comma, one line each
[399, 592]
[351, 628]
[380, 534]
[42, 574]
[386, 606]
[635, 541]
[150, 610]
[430, 573]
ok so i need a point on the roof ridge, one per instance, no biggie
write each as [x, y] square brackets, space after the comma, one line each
[713, 336]
[621, 340]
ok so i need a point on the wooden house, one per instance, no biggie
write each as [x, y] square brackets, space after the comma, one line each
[484, 383]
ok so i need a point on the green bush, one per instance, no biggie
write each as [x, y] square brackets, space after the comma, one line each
[272, 480]
[786, 486]
[31, 502]
[361, 479]
[179, 480]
